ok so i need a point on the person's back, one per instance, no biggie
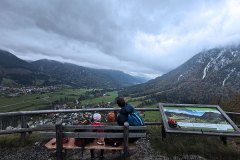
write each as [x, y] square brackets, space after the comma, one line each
[123, 114]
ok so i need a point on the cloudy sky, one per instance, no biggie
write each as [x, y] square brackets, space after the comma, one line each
[140, 37]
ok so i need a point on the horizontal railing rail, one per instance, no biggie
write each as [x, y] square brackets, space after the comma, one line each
[19, 113]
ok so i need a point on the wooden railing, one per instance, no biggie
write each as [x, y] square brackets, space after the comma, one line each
[235, 117]
[23, 118]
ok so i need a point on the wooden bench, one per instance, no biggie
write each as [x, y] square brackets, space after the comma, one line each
[86, 131]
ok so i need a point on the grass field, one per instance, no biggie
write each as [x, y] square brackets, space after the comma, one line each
[110, 98]
[37, 101]
[42, 101]
[206, 146]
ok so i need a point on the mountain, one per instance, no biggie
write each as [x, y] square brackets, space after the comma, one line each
[210, 73]
[15, 71]
[85, 77]
[212, 116]
[9, 60]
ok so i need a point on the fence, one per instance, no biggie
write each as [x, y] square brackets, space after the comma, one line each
[22, 117]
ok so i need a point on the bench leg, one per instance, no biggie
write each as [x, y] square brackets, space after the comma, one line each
[101, 154]
[121, 154]
[82, 150]
[92, 153]
[125, 155]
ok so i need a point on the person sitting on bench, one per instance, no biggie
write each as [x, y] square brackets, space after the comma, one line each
[97, 122]
[123, 114]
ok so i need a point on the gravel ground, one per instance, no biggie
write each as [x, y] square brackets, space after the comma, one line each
[143, 151]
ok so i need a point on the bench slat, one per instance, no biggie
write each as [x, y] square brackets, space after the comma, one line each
[93, 145]
[92, 135]
[82, 127]
[108, 147]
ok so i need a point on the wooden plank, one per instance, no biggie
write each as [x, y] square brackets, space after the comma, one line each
[228, 119]
[137, 128]
[108, 147]
[83, 127]
[153, 123]
[91, 135]
[17, 113]
[233, 113]
[137, 135]
[51, 144]
[70, 145]
[83, 135]
[45, 127]
[52, 127]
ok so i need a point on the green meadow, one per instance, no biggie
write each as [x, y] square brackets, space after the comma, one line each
[110, 98]
[38, 101]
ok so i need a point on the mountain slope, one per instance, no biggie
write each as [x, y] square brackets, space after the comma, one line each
[8, 60]
[211, 73]
[82, 76]
[15, 71]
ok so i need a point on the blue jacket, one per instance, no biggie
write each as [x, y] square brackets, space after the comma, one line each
[123, 114]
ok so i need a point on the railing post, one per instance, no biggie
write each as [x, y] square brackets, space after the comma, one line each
[126, 138]
[231, 117]
[1, 124]
[59, 137]
[164, 135]
[23, 125]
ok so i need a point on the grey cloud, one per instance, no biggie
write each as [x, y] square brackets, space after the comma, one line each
[138, 37]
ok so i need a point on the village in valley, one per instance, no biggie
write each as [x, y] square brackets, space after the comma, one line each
[17, 91]
[63, 103]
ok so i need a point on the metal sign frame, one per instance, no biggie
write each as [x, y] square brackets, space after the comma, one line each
[168, 129]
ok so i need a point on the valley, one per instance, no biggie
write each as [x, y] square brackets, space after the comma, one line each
[59, 96]
[210, 77]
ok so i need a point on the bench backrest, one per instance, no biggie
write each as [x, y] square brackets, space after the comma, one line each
[85, 131]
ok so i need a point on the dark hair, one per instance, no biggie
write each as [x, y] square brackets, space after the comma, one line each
[120, 101]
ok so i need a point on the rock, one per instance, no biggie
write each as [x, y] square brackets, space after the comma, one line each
[9, 128]
[37, 143]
